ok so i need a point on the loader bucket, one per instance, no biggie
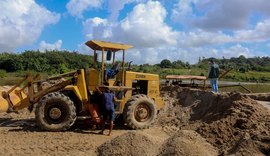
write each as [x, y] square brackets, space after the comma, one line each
[15, 98]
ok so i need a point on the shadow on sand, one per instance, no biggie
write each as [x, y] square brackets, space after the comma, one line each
[29, 125]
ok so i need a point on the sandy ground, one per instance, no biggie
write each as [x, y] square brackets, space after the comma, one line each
[265, 104]
[20, 136]
[19, 141]
[193, 122]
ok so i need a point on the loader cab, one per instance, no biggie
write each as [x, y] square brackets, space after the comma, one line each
[106, 51]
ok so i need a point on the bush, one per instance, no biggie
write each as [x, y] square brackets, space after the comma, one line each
[3, 73]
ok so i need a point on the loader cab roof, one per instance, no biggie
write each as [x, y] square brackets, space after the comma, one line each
[106, 46]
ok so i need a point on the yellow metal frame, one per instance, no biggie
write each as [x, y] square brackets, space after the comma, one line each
[153, 86]
[16, 99]
[99, 45]
[80, 89]
[106, 46]
[125, 77]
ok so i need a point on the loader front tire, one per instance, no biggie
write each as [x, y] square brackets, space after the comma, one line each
[140, 112]
[55, 112]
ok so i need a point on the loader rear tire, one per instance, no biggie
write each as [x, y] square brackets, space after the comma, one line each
[140, 112]
[55, 112]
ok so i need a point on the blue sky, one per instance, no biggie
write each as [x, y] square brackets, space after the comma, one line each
[165, 29]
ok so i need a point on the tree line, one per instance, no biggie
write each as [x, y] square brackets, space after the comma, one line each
[240, 64]
[55, 62]
[51, 62]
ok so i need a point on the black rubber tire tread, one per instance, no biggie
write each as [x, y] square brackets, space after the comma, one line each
[129, 109]
[66, 103]
[119, 120]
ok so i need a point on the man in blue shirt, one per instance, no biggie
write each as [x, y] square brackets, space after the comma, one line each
[213, 75]
[108, 111]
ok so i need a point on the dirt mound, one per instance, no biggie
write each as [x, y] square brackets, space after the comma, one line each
[148, 142]
[234, 123]
[231, 122]
[186, 142]
[241, 124]
[50, 83]
[259, 96]
[131, 143]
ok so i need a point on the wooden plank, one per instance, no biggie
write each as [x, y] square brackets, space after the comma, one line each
[186, 77]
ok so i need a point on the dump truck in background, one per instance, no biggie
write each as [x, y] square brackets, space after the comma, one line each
[75, 95]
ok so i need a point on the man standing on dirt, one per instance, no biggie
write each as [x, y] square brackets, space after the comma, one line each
[213, 75]
[108, 111]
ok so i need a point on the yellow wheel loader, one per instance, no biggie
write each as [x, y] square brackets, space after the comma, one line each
[75, 95]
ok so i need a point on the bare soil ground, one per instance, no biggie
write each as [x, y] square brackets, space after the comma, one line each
[193, 122]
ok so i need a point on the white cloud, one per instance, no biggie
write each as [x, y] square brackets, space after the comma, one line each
[143, 55]
[77, 7]
[229, 14]
[43, 46]
[236, 51]
[97, 28]
[21, 23]
[183, 10]
[260, 33]
[115, 6]
[82, 48]
[219, 14]
[192, 55]
[143, 27]
[200, 38]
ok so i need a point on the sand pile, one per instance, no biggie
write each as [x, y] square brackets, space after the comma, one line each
[189, 143]
[184, 142]
[234, 123]
[131, 143]
[259, 96]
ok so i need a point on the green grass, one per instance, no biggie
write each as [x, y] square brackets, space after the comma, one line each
[3, 73]
[198, 72]
[251, 76]
[14, 78]
[255, 88]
